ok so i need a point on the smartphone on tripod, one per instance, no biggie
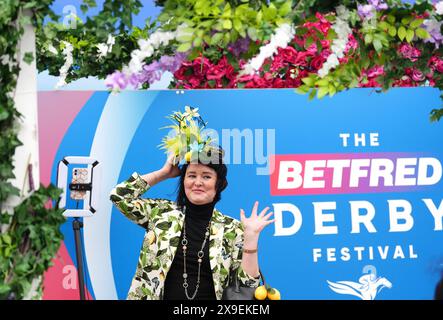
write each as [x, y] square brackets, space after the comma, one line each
[80, 176]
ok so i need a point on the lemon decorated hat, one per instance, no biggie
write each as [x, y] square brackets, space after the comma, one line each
[186, 140]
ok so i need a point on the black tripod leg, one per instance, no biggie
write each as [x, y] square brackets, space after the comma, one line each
[78, 251]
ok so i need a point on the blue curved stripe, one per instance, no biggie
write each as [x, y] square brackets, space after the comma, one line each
[77, 142]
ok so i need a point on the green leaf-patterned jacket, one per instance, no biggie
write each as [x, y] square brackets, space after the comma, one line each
[163, 222]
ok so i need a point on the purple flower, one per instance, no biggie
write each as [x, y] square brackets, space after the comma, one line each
[154, 71]
[150, 73]
[367, 11]
[116, 81]
[433, 27]
[378, 5]
[240, 46]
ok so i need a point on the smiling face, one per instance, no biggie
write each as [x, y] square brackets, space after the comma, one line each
[199, 184]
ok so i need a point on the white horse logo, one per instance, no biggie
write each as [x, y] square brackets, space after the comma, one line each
[366, 289]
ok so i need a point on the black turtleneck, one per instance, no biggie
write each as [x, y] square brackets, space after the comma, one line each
[197, 218]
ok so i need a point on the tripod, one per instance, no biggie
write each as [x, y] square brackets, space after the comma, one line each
[77, 225]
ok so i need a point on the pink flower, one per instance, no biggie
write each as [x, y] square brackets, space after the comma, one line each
[375, 71]
[352, 43]
[404, 81]
[417, 75]
[436, 64]
[409, 52]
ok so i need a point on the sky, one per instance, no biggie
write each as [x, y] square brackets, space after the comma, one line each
[65, 7]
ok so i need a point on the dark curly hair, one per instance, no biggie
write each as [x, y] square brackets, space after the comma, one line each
[215, 162]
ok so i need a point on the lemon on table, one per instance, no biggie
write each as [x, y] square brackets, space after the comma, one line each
[260, 293]
[273, 294]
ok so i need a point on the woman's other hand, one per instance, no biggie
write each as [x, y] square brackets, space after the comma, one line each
[256, 222]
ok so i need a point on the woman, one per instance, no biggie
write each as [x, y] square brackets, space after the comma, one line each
[189, 248]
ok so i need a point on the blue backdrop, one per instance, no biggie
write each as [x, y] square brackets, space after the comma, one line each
[123, 132]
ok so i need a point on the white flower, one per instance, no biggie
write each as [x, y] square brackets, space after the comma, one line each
[338, 46]
[67, 52]
[102, 50]
[342, 12]
[439, 8]
[52, 49]
[280, 39]
[146, 48]
[110, 41]
[191, 112]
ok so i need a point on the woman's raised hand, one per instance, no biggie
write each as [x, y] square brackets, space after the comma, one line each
[170, 170]
[256, 222]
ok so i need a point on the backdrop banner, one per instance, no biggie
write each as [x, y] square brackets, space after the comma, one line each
[354, 181]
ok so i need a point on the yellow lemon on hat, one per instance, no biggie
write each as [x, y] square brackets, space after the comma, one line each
[260, 293]
[273, 294]
[188, 156]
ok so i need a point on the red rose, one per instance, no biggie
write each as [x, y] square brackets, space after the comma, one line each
[201, 65]
[317, 63]
[278, 83]
[288, 54]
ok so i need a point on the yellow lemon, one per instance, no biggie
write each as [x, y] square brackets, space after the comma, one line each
[260, 293]
[188, 156]
[273, 294]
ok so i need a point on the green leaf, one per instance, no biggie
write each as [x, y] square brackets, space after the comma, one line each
[7, 239]
[216, 38]
[227, 11]
[422, 33]
[227, 24]
[185, 38]
[391, 19]
[368, 38]
[308, 81]
[28, 57]
[322, 92]
[406, 20]
[285, 8]
[238, 25]
[4, 114]
[384, 25]
[377, 45]
[302, 89]
[401, 33]
[259, 17]
[312, 94]
[416, 23]
[252, 33]
[332, 90]
[309, 41]
[184, 47]
[322, 82]
[410, 35]
[197, 42]
[392, 31]
[331, 34]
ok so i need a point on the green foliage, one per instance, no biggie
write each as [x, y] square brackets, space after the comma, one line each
[32, 238]
[115, 18]
[219, 22]
[29, 245]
